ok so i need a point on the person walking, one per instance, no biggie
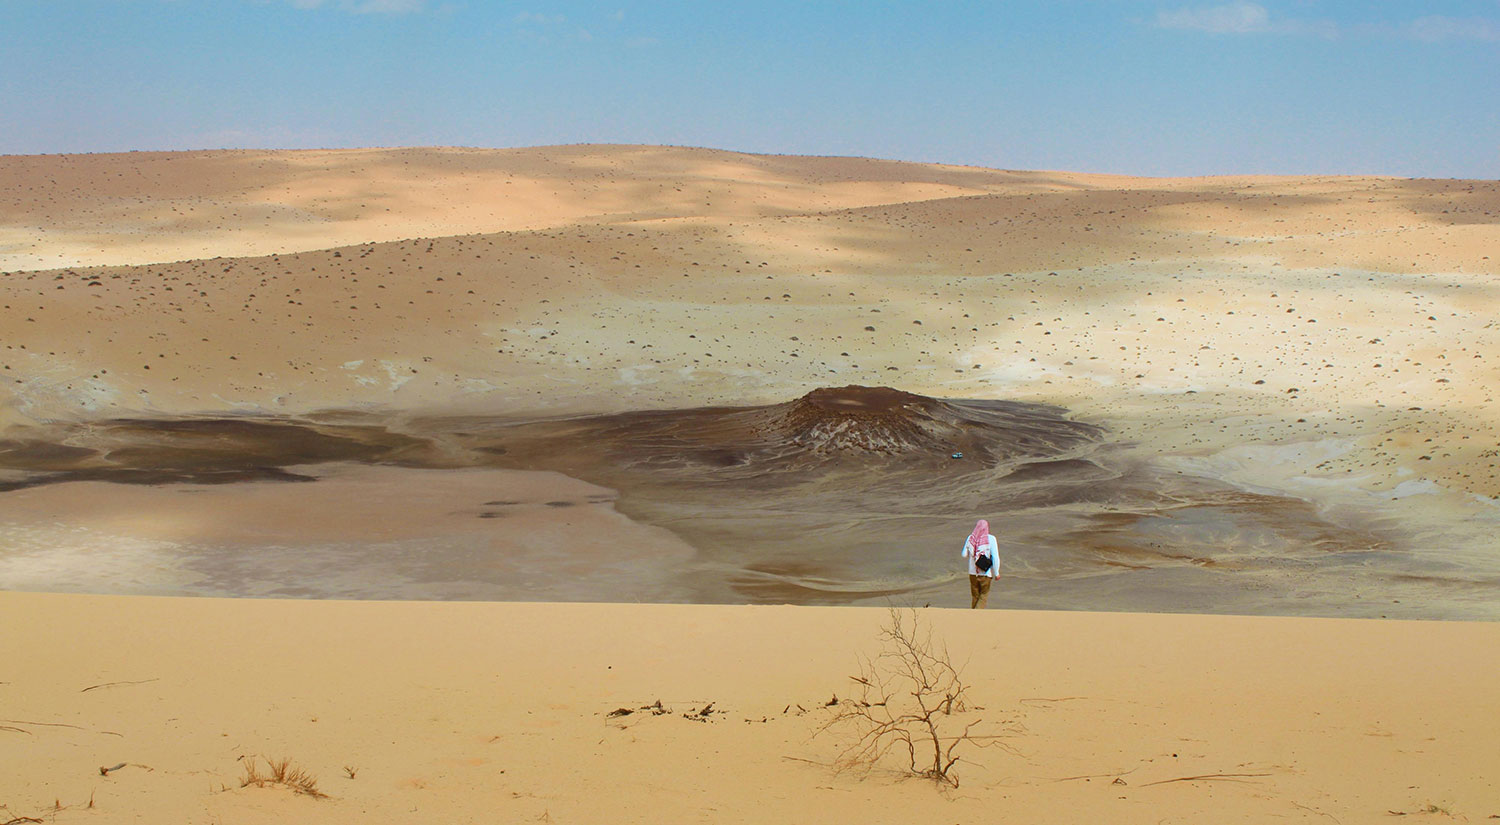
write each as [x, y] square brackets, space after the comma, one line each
[983, 555]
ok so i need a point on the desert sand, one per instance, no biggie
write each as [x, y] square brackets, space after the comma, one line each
[469, 712]
[442, 374]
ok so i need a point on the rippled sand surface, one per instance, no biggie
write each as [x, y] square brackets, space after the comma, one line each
[852, 495]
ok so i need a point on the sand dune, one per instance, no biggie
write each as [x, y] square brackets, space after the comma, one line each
[444, 373]
[459, 712]
[150, 207]
[1331, 338]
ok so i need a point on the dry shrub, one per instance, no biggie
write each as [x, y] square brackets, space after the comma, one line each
[283, 773]
[912, 700]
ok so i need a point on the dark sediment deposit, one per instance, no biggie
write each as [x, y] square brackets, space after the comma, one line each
[843, 496]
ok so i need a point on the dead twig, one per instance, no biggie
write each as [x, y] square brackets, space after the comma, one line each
[103, 771]
[808, 761]
[655, 709]
[1050, 699]
[1316, 811]
[1234, 776]
[41, 724]
[1096, 775]
[911, 698]
[114, 684]
[700, 715]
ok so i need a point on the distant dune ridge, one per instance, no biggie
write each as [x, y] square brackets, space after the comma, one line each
[615, 277]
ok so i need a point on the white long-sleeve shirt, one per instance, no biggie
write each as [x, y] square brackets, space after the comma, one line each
[968, 553]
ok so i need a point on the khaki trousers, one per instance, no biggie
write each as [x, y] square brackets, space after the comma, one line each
[979, 590]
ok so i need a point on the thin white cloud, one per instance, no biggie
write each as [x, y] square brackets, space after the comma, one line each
[1241, 18]
[388, 6]
[1235, 18]
[365, 6]
[1436, 28]
[540, 19]
[550, 29]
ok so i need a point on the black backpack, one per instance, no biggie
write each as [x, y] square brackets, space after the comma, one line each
[983, 562]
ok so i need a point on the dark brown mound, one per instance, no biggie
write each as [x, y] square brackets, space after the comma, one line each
[874, 419]
[823, 430]
[857, 400]
[827, 428]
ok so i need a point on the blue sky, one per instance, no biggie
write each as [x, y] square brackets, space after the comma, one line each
[1154, 88]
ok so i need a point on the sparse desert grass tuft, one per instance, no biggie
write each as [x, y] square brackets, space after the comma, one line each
[283, 773]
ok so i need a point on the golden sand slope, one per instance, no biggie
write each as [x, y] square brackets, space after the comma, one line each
[458, 712]
[147, 207]
[1345, 322]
